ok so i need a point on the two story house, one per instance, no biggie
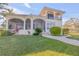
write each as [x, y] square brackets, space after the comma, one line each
[26, 24]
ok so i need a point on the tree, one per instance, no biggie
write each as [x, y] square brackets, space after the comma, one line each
[3, 6]
[7, 10]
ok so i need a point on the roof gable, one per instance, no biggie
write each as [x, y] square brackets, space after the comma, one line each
[51, 10]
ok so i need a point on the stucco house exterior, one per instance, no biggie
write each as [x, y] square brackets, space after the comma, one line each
[26, 24]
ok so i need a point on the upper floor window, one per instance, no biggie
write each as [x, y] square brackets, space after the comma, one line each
[50, 16]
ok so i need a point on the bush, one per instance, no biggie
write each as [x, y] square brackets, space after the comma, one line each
[65, 31]
[55, 31]
[37, 31]
[5, 33]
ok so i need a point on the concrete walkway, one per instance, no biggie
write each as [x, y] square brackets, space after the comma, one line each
[63, 39]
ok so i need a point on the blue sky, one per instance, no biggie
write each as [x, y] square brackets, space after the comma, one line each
[71, 9]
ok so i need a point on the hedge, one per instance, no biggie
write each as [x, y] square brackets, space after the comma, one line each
[56, 31]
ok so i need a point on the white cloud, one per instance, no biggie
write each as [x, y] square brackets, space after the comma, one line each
[16, 10]
[27, 5]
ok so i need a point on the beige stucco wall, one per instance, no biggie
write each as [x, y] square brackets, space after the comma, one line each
[32, 18]
[47, 10]
[24, 17]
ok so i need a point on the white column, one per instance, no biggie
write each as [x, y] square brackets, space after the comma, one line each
[61, 26]
[45, 26]
[61, 30]
[32, 24]
[24, 24]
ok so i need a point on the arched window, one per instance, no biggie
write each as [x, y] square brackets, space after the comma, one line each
[39, 23]
[28, 24]
[15, 22]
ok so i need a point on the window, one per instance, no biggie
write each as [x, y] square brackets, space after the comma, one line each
[13, 23]
[28, 24]
[50, 16]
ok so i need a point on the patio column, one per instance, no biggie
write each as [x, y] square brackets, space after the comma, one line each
[32, 24]
[61, 30]
[24, 24]
[61, 25]
[6, 24]
[45, 26]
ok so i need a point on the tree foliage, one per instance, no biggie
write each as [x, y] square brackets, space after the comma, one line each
[8, 10]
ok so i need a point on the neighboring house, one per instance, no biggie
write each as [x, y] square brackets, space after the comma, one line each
[25, 24]
[72, 25]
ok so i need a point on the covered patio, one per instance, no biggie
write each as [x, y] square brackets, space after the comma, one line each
[28, 25]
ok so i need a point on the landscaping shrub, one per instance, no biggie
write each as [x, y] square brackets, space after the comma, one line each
[55, 31]
[37, 31]
[65, 31]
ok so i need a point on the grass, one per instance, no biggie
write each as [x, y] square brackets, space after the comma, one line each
[35, 45]
[76, 37]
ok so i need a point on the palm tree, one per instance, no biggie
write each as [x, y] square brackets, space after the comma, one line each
[2, 5]
[6, 12]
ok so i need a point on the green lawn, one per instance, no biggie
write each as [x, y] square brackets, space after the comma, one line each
[32, 45]
[76, 37]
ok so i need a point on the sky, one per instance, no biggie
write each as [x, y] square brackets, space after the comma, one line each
[71, 9]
